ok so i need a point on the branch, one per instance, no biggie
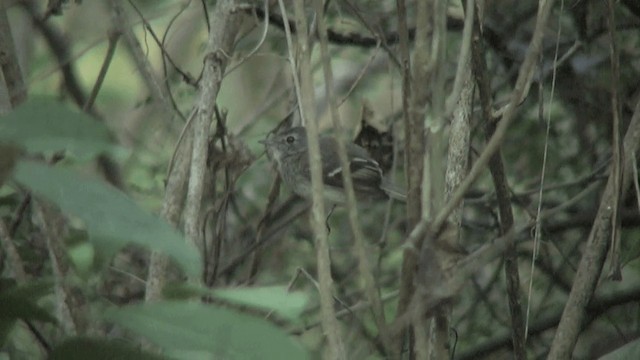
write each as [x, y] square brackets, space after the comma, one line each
[9, 64]
[414, 148]
[111, 50]
[225, 24]
[13, 256]
[60, 49]
[306, 101]
[595, 252]
[185, 181]
[519, 92]
[172, 205]
[364, 266]
[158, 92]
[496, 167]
[353, 38]
[70, 305]
[597, 306]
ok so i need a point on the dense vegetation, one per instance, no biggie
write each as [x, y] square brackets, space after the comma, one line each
[139, 217]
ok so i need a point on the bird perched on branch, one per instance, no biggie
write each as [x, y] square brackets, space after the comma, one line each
[289, 150]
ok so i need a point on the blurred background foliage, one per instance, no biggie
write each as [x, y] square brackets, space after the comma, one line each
[257, 94]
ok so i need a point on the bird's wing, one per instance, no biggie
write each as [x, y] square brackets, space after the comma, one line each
[365, 172]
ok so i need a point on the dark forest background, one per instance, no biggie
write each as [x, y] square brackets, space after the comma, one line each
[140, 217]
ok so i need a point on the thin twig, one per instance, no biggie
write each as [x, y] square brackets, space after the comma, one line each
[16, 264]
[538, 227]
[306, 101]
[364, 265]
[380, 39]
[265, 220]
[172, 207]
[519, 92]
[257, 47]
[154, 85]
[433, 178]
[600, 304]
[219, 46]
[413, 168]
[282, 217]
[617, 151]
[359, 77]
[497, 168]
[111, 50]
[463, 59]
[165, 55]
[61, 51]
[9, 64]
[594, 254]
[69, 303]
[636, 182]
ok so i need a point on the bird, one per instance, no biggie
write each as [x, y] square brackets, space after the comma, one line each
[288, 149]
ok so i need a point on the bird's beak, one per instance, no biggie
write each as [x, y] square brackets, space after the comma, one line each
[266, 141]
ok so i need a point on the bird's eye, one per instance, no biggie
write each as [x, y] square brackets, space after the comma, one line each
[290, 139]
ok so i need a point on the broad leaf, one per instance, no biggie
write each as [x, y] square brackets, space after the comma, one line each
[630, 350]
[44, 124]
[181, 327]
[111, 218]
[287, 304]
[273, 298]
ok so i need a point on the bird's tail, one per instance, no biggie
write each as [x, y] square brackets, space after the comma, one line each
[393, 191]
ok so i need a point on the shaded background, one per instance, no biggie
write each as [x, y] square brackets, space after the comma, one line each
[573, 84]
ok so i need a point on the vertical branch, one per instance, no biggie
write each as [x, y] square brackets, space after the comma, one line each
[9, 63]
[606, 224]
[519, 92]
[185, 182]
[58, 45]
[594, 254]
[434, 169]
[13, 257]
[306, 101]
[172, 205]
[69, 304]
[501, 185]
[158, 92]
[618, 154]
[460, 133]
[111, 50]
[225, 23]
[17, 91]
[421, 74]
[360, 245]
[496, 167]
[414, 145]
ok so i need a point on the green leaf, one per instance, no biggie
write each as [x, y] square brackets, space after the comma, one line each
[628, 351]
[44, 124]
[194, 327]
[82, 256]
[112, 219]
[287, 304]
[86, 348]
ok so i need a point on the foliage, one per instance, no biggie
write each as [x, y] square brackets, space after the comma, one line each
[83, 180]
[112, 220]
